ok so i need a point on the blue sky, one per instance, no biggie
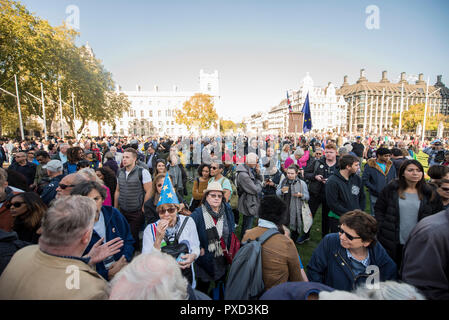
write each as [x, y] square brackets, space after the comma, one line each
[260, 48]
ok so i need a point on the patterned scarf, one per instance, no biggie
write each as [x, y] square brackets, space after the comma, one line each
[213, 232]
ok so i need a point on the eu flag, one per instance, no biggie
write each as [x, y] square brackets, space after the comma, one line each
[307, 126]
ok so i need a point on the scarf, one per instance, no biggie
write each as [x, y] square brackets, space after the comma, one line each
[213, 232]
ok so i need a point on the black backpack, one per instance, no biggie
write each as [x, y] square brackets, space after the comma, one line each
[245, 280]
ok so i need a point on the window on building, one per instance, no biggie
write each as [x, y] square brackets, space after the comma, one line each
[142, 114]
[159, 113]
[172, 123]
[168, 123]
[150, 113]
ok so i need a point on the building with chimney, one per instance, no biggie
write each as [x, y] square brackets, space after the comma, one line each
[372, 104]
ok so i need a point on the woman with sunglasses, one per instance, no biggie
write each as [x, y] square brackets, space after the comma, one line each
[400, 205]
[347, 259]
[109, 225]
[28, 209]
[442, 189]
[214, 221]
[172, 227]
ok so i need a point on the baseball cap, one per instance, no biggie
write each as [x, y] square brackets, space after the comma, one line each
[53, 165]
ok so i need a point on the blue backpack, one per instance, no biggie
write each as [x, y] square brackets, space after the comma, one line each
[245, 280]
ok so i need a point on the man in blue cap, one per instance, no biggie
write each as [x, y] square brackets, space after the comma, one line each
[435, 152]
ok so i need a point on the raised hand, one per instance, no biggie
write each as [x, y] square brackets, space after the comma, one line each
[100, 251]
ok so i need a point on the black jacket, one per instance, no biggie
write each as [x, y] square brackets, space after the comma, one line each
[387, 215]
[28, 170]
[318, 167]
[344, 195]
[9, 244]
[426, 257]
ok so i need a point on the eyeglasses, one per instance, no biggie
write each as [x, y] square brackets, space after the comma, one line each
[214, 196]
[340, 230]
[15, 205]
[318, 154]
[445, 189]
[169, 210]
[214, 168]
[65, 186]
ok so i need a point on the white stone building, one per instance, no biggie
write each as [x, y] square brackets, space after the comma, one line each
[153, 112]
[327, 108]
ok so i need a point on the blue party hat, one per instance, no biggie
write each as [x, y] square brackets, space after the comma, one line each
[168, 194]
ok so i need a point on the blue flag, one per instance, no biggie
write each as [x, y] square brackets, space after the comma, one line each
[168, 194]
[307, 126]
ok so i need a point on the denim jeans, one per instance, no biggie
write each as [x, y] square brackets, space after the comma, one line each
[246, 224]
[372, 202]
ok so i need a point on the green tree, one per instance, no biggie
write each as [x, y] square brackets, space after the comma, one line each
[198, 112]
[37, 52]
[415, 115]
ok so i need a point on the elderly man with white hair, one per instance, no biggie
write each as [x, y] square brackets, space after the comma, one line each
[55, 269]
[249, 187]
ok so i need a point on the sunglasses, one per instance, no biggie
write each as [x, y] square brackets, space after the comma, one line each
[445, 189]
[159, 185]
[340, 230]
[15, 205]
[65, 186]
[214, 196]
[318, 154]
[169, 210]
[214, 168]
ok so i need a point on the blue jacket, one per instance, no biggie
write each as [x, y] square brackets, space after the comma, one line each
[49, 191]
[330, 265]
[205, 261]
[375, 179]
[116, 226]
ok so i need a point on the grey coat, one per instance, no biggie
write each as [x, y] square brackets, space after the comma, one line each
[295, 202]
[251, 190]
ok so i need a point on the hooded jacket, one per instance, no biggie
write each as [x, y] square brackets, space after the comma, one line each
[344, 195]
[116, 226]
[375, 179]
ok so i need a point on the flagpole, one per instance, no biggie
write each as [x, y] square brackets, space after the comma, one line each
[18, 106]
[60, 113]
[425, 112]
[400, 112]
[43, 111]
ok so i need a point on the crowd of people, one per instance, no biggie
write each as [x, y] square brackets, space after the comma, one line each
[157, 218]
